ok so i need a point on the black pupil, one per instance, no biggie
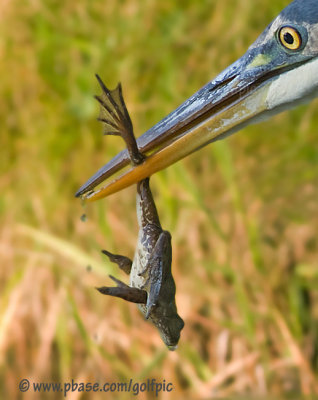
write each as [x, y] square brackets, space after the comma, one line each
[288, 38]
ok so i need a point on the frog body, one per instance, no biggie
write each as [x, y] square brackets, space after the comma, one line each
[151, 283]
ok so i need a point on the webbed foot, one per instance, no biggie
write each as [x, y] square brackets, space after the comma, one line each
[116, 119]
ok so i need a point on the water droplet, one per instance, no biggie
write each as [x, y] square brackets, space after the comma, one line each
[83, 217]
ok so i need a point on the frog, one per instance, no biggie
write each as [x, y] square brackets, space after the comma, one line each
[151, 283]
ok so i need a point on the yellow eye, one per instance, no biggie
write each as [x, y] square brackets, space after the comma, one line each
[290, 38]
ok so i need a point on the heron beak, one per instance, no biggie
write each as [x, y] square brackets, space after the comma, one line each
[247, 91]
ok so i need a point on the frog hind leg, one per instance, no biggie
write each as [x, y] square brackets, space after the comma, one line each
[158, 265]
[124, 291]
[148, 213]
[124, 263]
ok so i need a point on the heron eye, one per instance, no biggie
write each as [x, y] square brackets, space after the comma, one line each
[290, 38]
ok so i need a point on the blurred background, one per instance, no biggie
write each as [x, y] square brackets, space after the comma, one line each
[243, 213]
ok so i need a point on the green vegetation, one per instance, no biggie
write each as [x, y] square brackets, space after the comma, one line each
[242, 213]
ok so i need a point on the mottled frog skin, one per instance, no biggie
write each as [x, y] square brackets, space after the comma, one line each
[151, 284]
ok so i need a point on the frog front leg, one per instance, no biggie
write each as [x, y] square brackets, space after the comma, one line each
[124, 263]
[124, 291]
[155, 271]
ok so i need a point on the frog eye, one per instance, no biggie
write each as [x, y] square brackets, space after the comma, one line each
[290, 38]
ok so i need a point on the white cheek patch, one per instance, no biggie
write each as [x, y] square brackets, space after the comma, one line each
[294, 87]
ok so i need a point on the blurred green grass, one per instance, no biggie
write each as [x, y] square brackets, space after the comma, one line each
[242, 213]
